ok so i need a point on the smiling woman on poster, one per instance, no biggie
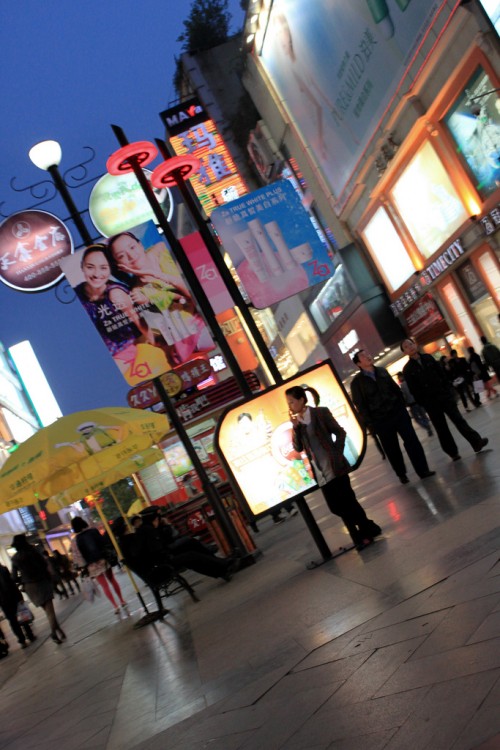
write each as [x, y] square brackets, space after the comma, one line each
[109, 305]
[153, 279]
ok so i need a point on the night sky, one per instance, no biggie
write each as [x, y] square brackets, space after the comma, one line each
[69, 70]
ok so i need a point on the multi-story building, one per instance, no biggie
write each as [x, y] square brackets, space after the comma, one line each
[390, 111]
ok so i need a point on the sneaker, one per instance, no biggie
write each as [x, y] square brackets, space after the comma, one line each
[293, 512]
[456, 458]
[428, 474]
[404, 479]
[278, 519]
[484, 442]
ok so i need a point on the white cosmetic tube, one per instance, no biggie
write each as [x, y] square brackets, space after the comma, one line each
[274, 232]
[270, 257]
[248, 247]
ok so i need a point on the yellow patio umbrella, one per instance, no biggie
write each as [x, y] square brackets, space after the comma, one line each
[61, 493]
[75, 449]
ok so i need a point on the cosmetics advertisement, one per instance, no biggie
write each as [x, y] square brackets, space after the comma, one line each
[272, 243]
[254, 440]
[137, 299]
[335, 66]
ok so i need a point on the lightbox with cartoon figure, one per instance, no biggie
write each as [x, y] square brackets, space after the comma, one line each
[254, 440]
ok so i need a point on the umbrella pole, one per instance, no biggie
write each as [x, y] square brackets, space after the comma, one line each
[120, 509]
[119, 553]
[142, 491]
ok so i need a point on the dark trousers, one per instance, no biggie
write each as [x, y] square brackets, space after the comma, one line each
[438, 414]
[20, 631]
[399, 424]
[341, 500]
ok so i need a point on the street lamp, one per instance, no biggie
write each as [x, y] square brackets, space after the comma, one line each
[47, 155]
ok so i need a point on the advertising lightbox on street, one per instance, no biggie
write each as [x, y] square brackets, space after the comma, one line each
[118, 203]
[272, 243]
[254, 440]
[137, 299]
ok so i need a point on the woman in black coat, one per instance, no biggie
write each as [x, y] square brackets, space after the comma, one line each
[30, 569]
[10, 596]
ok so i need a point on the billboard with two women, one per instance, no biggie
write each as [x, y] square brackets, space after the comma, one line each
[137, 299]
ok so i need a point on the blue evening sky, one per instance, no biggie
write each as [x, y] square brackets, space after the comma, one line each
[69, 70]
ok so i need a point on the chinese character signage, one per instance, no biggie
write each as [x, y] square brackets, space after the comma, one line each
[272, 243]
[192, 132]
[31, 245]
[136, 297]
[118, 203]
[254, 439]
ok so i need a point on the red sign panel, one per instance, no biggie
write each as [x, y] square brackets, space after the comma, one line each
[191, 373]
[31, 245]
[423, 315]
[192, 407]
[207, 272]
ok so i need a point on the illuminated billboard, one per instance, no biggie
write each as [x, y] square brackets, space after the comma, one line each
[254, 440]
[474, 123]
[438, 213]
[191, 131]
[334, 67]
[272, 243]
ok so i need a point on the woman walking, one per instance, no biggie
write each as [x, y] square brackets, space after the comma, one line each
[88, 549]
[313, 428]
[29, 567]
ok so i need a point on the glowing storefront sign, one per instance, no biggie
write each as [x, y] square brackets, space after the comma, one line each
[193, 132]
[31, 245]
[254, 440]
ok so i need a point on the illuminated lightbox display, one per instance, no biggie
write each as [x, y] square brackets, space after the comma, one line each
[387, 250]
[438, 212]
[254, 440]
[218, 180]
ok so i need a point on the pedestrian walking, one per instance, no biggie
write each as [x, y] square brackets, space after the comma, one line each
[480, 372]
[313, 428]
[63, 565]
[30, 569]
[88, 549]
[491, 356]
[417, 412]
[381, 408]
[10, 596]
[461, 379]
[431, 389]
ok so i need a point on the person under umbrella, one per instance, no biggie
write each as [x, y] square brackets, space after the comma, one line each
[29, 567]
[10, 596]
[88, 549]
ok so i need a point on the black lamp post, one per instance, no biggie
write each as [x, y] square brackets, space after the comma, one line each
[46, 155]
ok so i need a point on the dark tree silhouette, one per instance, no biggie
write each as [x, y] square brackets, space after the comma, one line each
[206, 26]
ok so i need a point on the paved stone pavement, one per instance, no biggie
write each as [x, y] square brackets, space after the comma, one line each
[397, 646]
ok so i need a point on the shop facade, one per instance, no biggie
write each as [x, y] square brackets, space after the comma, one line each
[417, 185]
